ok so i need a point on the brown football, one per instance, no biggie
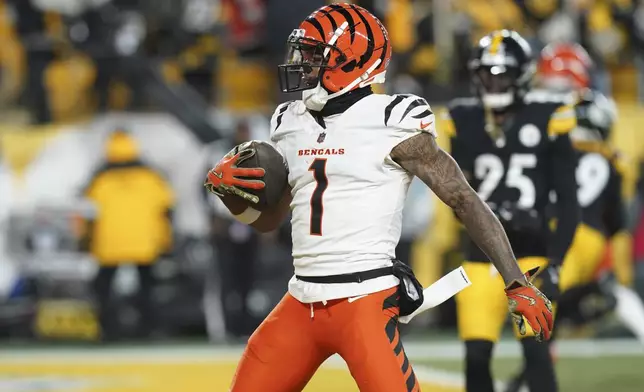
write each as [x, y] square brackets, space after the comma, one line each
[275, 178]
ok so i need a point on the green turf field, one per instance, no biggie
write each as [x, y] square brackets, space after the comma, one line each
[601, 374]
[604, 365]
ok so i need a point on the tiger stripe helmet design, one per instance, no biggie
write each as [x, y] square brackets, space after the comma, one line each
[564, 67]
[340, 47]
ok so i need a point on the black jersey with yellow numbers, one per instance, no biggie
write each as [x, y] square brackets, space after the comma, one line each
[515, 176]
[599, 191]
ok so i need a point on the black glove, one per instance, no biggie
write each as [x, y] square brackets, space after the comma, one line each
[548, 281]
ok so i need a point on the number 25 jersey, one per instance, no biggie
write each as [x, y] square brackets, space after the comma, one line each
[348, 195]
[514, 177]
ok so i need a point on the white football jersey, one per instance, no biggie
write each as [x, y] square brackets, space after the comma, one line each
[348, 195]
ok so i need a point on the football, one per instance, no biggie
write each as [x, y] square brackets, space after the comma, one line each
[275, 178]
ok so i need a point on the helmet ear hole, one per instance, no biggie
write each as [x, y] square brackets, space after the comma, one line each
[350, 66]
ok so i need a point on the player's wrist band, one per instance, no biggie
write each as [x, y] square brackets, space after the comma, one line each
[250, 215]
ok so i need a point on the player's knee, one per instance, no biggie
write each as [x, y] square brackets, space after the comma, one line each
[478, 354]
[536, 352]
[256, 352]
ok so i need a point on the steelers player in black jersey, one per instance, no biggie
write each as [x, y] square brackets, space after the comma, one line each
[565, 69]
[513, 144]
[599, 176]
[599, 194]
[599, 189]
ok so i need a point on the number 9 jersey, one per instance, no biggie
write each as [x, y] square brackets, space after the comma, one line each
[348, 195]
[600, 190]
[599, 169]
[514, 171]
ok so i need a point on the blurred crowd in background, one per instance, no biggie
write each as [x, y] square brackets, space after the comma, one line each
[95, 94]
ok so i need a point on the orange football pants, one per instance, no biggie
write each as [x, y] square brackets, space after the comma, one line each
[296, 338]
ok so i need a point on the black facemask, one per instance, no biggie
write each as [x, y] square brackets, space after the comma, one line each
[305, 63]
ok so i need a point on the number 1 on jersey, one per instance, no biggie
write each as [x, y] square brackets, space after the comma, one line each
[318, 167]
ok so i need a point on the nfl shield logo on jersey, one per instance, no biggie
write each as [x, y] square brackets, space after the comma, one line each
[321, 137]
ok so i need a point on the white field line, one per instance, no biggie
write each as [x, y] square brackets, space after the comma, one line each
[416, 351]
[426, 374]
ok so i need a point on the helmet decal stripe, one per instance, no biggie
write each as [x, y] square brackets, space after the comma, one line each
[497, 39]
[348, 17]
[317, 26]
[370, 38]
[383, 55]
[334, 24]
[385, 47]
[338, 32]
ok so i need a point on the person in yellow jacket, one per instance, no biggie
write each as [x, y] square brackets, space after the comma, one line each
[132, 225]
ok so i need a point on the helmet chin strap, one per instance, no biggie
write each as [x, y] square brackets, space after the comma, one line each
[315, 98]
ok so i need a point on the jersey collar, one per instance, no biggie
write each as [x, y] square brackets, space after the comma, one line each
[342, 103]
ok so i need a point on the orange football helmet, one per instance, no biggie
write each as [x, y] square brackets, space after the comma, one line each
[340, 47]
[564, 67]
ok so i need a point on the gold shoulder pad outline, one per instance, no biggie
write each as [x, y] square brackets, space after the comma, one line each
[445, 123]
[598, 147]
[562, 121]
[622, 163]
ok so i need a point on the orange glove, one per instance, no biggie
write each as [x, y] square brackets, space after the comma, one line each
[527, 302]
[224, 178]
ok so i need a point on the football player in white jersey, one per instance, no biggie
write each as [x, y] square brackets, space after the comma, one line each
[351, 155]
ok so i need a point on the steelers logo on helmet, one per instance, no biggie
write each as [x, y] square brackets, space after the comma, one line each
[501, 69]
[336, 49]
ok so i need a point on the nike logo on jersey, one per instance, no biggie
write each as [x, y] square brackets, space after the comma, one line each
[353, 299]
[425, 125]
[321, 151]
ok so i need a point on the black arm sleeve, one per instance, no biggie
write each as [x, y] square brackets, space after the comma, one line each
[563, 163]
[614, 215]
